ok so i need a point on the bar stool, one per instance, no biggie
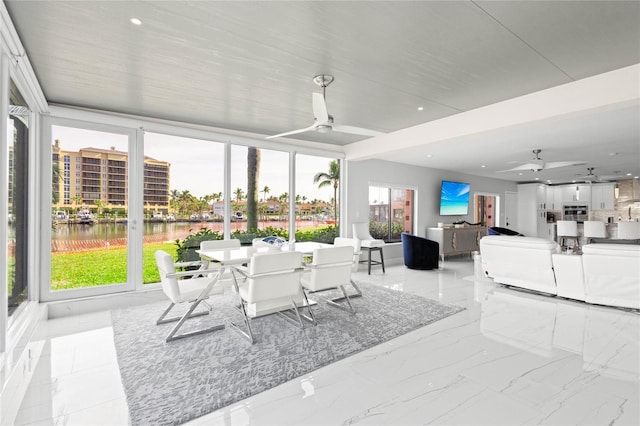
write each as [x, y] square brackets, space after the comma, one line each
[567, 230]
[369, 244]
[628, 230]
[594, 229]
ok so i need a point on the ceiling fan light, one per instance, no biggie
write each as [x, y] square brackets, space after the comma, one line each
[323, 128]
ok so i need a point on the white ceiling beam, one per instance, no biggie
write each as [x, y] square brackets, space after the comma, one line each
[615, 89]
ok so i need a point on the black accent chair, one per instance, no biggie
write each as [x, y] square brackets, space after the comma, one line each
[497, 230]
[419, 252]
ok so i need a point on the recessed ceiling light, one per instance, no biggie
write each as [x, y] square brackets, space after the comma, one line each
[628, 174]
[519, 174]
[483, 166]
[537, 178]
[613, 154]
[135, 21]
[420, 108]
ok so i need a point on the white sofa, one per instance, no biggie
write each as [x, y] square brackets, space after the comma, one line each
[520, 261]
[612, 274]
[606, 274]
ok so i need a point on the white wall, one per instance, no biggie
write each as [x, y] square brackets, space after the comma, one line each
[427, 183]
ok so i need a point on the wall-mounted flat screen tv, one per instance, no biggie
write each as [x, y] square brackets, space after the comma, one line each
[454, 198]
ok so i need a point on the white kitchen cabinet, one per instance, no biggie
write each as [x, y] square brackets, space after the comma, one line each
[602, 196]
[532, 214]
[554, 198]
[571, 195]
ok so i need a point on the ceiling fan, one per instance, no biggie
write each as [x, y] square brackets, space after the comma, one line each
[537, 164]
[323, 121]
[590, 177]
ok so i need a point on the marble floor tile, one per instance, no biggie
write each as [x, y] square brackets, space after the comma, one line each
[510, 358]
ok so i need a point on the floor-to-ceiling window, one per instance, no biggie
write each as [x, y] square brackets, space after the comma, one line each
[119, 193]
[390, 212]
[183, 196]
[17, 153]
[317, 198]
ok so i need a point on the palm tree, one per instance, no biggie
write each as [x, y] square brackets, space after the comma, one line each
[77, 200]
[330, 179]
[239, 193]
[283, 200]
[99, 206]
[253, 173]
[186, 201]
[265, 191]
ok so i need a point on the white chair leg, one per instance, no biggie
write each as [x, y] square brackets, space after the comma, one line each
[311, 317]
[346, 297]
[294, 308]
[173, 336]
[163, 320]
[248, 334]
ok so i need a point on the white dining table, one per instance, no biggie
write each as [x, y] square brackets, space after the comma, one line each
[227, 257]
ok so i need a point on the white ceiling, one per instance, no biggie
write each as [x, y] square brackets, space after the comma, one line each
[248, 66]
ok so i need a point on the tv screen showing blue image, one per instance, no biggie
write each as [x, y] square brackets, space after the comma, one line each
[454, 198]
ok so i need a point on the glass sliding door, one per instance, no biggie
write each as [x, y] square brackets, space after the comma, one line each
[183, 197]
[18, 153]
[89, 210]
[317, 187]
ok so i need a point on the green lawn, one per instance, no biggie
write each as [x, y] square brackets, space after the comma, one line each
[109, 266]
[102, 267]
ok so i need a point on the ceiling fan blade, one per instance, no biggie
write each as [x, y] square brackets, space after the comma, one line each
[556, 164]
[319, 108]
[356, 130]
[293, 132]
[534, 165]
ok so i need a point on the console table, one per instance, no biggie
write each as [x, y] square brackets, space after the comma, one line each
[457, 240]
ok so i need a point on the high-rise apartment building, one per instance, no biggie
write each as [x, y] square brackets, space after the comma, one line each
[82, 178]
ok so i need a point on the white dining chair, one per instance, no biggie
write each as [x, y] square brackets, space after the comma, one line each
[185, 288]
[269, 276]
[351, 242]
[211, 245]
[594, 229]
[330, 269]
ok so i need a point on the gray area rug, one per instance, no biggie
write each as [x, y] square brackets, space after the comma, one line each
[172, 383]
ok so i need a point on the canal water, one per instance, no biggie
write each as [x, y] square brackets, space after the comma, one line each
[81, 237]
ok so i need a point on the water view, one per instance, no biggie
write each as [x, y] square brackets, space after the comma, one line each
[77, 237]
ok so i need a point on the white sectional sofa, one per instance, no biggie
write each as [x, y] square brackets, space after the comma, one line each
[606, 274]
[612, 274]
[520, 261]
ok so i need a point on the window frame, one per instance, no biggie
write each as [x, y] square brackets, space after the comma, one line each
[390, 187]
[96, 120]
